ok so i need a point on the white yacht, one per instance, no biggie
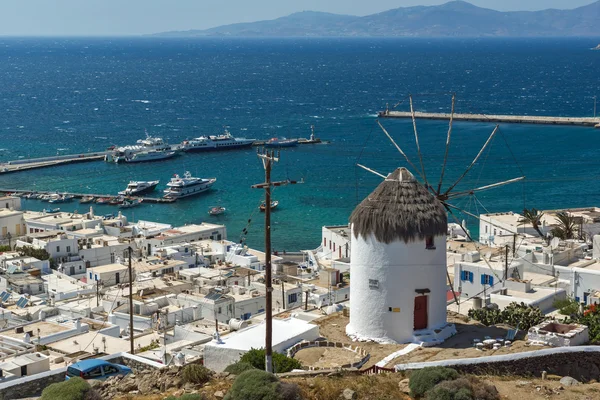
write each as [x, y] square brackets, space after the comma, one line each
[156, 146]
[180, 187]
[135, 188]
[224, 141]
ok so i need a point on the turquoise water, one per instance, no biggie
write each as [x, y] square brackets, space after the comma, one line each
[73, 95]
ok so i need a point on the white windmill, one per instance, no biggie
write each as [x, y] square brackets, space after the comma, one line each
[398, 262]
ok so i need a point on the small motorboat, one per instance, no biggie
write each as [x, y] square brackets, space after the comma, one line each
[217, 210]
[61, 199]
[116, 200]
[127, 203]
[51, 210]
[103, 200]
[86, 199]
[274, 204]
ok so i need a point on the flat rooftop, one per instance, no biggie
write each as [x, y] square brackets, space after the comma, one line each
[99, 341]
[45, 329]
[107, 268]
[254, 335]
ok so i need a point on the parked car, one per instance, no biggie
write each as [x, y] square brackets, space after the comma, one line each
[96, 369]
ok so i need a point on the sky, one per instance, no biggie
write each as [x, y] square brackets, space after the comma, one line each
[134, 17]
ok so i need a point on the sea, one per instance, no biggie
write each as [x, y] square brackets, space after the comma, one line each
[74, 95]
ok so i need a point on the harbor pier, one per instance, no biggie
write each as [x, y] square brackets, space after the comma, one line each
[43, 162]
[511, 119]
[21, 192]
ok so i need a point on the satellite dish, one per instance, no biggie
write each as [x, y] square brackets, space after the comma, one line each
[554, 243]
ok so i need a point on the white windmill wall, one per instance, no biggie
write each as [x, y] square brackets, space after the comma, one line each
[399, 269]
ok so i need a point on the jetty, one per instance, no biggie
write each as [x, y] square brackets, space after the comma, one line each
[22, 192]
[511, 119]
[44, 162]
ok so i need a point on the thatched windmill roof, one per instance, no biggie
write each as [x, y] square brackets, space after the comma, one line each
[400, 208]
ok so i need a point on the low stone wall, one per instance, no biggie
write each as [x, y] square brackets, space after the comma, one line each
[33, 385]
[581, 363]
[325, 343]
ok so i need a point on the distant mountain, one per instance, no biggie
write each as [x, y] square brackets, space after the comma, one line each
[453, 19]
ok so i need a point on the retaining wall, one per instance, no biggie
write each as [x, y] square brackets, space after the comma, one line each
[581, 363]
[325, 343]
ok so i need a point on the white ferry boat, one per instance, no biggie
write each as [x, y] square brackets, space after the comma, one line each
[149, 144]
[224, 141]
[180, 187]
[145, 156]
[135, 188]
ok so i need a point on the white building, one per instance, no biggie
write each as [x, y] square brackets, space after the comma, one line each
[24, 365]
[479, 278]
[12, 223]
[57, 244]
[109, 275]
[286, 333]
[398, 264]
[335, 243]
[10, 202]
[158, 236]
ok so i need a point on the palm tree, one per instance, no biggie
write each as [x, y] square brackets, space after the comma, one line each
[567, 226]
[533, 217]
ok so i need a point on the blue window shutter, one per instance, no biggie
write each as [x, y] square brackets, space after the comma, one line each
[471, 277]
[491, 279]
[482, 279]
[462, 275]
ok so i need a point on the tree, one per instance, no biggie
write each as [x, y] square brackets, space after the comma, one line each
[534, 218]
[567, 226]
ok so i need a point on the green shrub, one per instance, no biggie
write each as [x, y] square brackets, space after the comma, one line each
[567, 306]
[239, 367]
[196, 374]
[469, 388]
[256, 384]
[281, 363]
[187, 396]
[73, 389]
[514, 314]
[425, 379]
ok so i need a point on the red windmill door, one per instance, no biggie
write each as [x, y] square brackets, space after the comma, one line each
[420, 312]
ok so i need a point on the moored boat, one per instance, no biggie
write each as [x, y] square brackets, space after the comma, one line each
[51, 210]
[61, 199]
[86, 199]
[283, 142]
[157, 147]
[127, 203]
[116, 200]
[180, 187]
[274, 204]
[146, 156]
[217, 210]
[103, 200]
[224, 141]
[135, 188]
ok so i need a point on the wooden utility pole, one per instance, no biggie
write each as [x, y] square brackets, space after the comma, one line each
[268, 158]
[131, 304]
[505, 264]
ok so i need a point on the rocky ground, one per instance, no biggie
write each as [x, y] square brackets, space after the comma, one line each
[335, 386]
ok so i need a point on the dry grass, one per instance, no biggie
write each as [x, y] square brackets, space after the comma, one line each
[385, 387]
[376, 387]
